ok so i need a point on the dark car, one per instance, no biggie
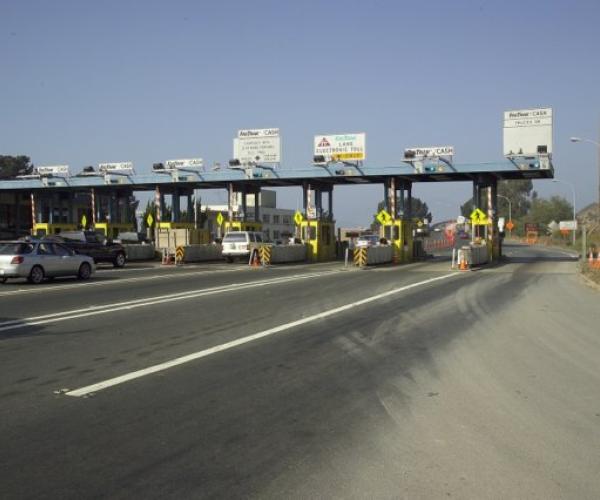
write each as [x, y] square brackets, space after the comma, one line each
[95, 245]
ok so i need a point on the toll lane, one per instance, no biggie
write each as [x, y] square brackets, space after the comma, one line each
[469, 387]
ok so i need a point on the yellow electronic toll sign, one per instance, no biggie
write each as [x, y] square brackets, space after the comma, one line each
[479, 218]
[83, 221]
[383, 217]
[220, 219]
[149, 220]
[298, 218]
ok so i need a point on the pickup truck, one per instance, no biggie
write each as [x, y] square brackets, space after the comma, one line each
[94, 245]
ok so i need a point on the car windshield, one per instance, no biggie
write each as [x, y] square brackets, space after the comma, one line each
[233, 237]
[15, 248]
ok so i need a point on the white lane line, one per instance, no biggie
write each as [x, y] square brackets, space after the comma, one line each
[148, 301]
[204, 272]
[45, 289]
[82, 391]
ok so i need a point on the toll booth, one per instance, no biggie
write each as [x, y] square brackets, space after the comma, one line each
[396, 219]
[484, 217]
[53, 212]
[179, 229]
[320, 237]
[112, 231]
[47, 229]
[399, 233]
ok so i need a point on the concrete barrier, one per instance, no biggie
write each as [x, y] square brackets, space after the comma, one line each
[198, 253]
[139, 251]
[288, 253]
[475, 255]
[379, 255]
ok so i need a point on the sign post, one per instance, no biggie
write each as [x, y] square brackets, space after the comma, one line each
[220, 220]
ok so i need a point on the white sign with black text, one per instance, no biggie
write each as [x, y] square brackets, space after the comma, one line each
[428, 152]
[185, 163]
[528, 132]
[340, 147]
[256, 146]
[123, 167]
[53, 170]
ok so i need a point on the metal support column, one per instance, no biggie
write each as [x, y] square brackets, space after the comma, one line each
[244, 195]
[257, 214]
[305, 197]
[190, 207]
[175, 206]
[319, 203]
[51, 209]
[230, 201]
[18, 213]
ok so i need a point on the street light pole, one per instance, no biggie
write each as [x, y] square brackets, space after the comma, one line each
[597, 144]
[509, 210]
[574, 209]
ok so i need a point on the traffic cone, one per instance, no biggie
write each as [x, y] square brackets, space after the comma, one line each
[463, 264]
[255, 259]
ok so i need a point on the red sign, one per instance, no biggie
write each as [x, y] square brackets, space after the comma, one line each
[510, 225]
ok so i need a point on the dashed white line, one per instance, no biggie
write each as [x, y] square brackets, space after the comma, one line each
[83, 391]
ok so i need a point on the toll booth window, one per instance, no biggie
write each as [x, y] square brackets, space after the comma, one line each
[312, 233]
[395, 233]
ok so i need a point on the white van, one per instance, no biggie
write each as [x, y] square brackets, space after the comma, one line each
[239, 244]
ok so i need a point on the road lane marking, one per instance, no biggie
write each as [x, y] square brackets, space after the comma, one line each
[45, 289]
[178, 274]
[148, 301]
[83, 391]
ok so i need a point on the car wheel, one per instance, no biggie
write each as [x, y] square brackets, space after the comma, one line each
[85, 271]
[36, 275]
[119, 260]
[229, 259]
[3, 280]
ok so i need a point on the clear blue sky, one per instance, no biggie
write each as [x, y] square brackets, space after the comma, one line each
[84, 82]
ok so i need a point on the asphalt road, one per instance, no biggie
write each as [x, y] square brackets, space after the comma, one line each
[306, 381]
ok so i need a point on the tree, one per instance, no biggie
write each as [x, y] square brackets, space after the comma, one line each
[519, 192]
[420, 210]
[543, 211]
[11, 166]
[151, 209]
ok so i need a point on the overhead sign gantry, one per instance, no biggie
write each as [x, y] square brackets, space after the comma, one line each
[338, 159]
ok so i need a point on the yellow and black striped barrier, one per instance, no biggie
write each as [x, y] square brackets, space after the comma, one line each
[360, 257]
[265, 254]
[179, 255]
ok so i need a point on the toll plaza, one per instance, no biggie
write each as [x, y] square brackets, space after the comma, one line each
[104, 201]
